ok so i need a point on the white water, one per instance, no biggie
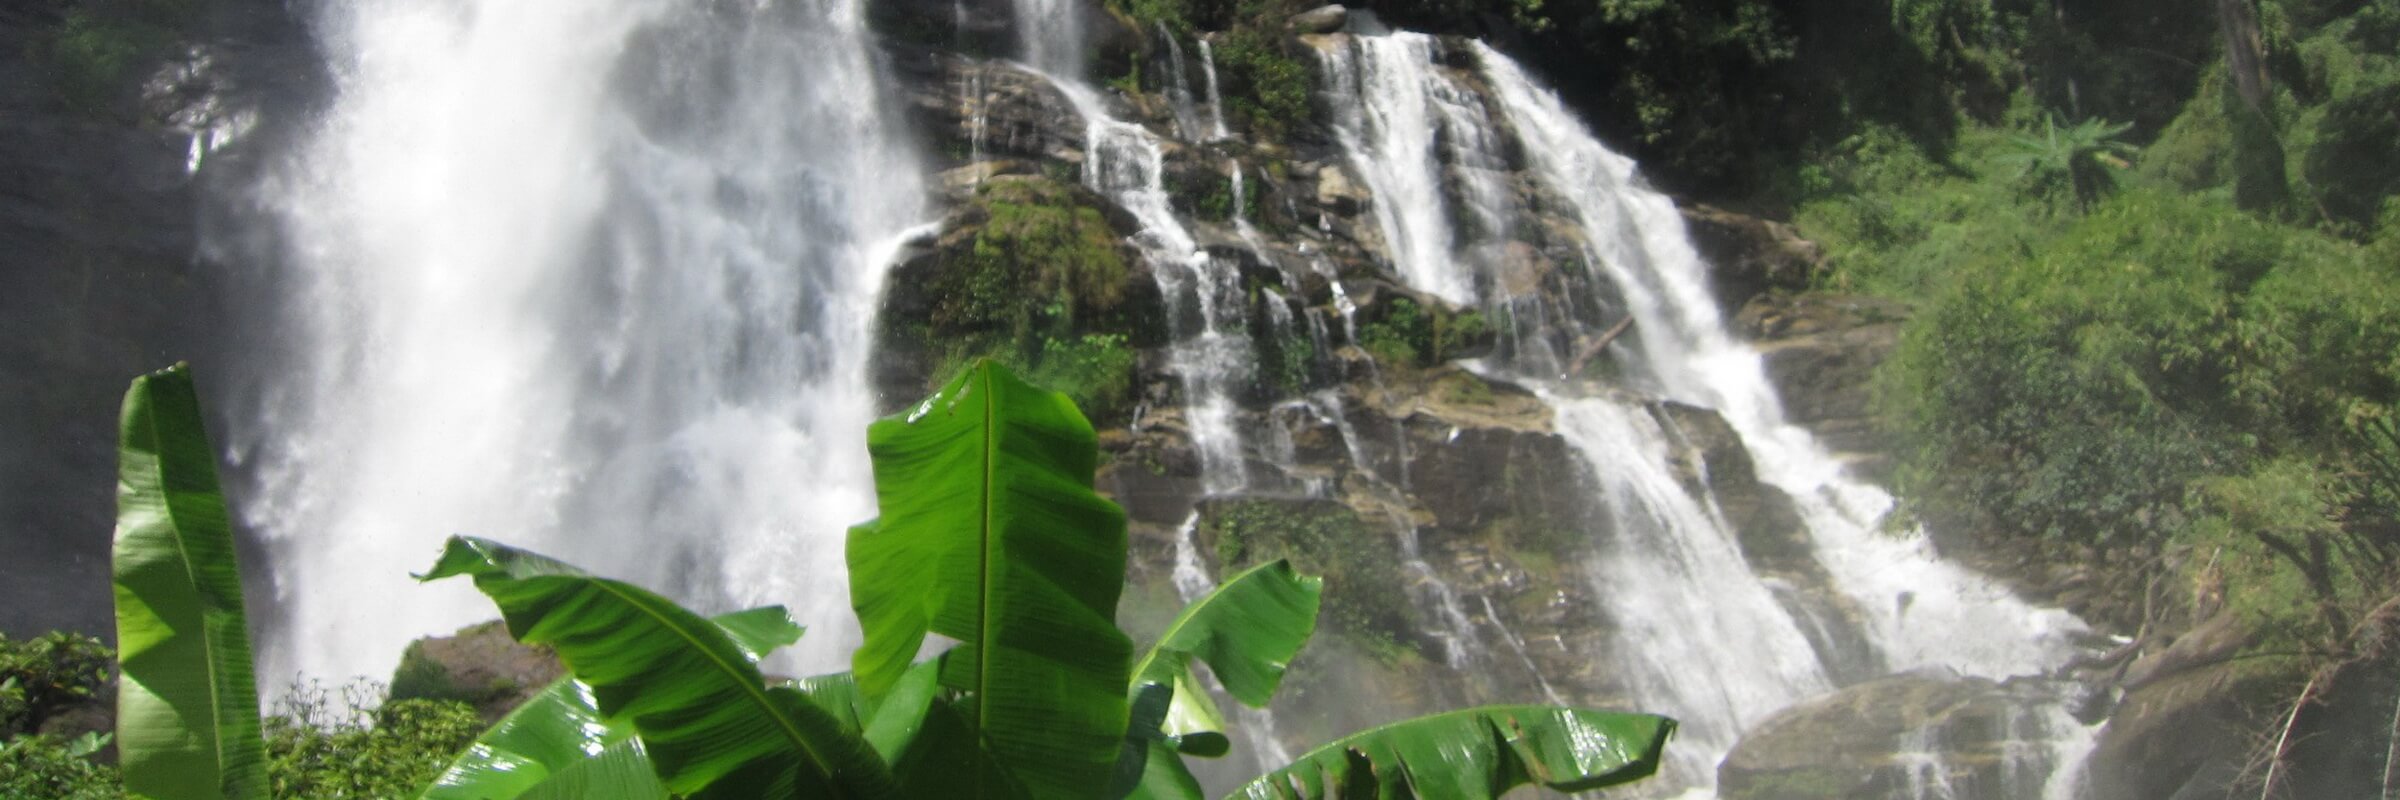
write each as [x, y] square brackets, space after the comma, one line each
[1216, 102]
[1704, 639]
[588, 277]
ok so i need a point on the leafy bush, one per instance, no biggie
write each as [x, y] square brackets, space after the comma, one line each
[316, 751]
[49, 673]
[54, 769]
[1265, 88]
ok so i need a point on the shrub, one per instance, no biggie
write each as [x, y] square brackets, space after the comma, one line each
[47, 674]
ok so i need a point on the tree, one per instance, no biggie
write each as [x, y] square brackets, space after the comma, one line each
[2081, 158]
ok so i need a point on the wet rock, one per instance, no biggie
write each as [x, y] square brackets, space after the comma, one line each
[481, 665]
[966, 109]
[1714, 466]
[1883, 737]
[1322, 19]
[1821, 350]
[1338, 193]
[1751, 255]
[2185, 735]
[101, 278]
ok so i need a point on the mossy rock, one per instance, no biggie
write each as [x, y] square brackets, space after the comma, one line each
[1036, 273]
[481, 665]
[1366, 598]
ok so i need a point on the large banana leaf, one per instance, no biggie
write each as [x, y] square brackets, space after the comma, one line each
[1247, 631]
[991, 534]
[1476, 754]
[187, 706]
[546, 742]
[710, 725]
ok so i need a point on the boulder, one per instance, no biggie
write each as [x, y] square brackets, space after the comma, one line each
[481, 665]
[1750, 255]
[1920, 734]
[1322, 19]
[1821, 350]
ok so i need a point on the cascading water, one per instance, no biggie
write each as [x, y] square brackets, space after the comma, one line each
[589, 277]
[1706, 639]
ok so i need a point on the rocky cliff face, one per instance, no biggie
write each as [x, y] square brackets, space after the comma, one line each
[1451, 519]
[101, 276]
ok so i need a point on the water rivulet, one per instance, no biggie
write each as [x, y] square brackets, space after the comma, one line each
[601, 278]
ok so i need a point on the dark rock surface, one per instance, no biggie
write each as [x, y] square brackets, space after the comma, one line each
[1885, 737]
[101, 277]
[1821, 351]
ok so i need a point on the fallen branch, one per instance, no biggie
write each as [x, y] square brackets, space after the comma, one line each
[1576, 367]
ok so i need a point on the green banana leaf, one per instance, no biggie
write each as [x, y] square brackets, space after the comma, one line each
[1476, 754]
[620, 771]
[710, 725]
[549, 738]
[1247, 631]
[991, 534]
[187, 705]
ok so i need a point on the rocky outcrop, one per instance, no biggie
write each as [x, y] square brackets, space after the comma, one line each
[1750, 255]
[1322, 19]
[1821, 351]
[1891, 737]
[100, 219]
[481, 665]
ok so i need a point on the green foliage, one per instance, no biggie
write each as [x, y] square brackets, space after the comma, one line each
[187, 705]
[56, 769]
[1265, 87]
[2170, 371]
[1042, 289]
[692, 692]
[318, 752]
[1896, 222]
[2078, 159]
[990, 534]
[1247, 631]
[47, 674]
[1367, 590]
[1499, 748]
[2348, 160]
[2066, 394]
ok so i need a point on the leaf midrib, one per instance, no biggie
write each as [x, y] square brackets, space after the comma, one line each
[191, 576]
[983, 606]
[757, 694]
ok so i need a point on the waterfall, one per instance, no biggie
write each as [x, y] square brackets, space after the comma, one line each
[1705, 639]
[1179, 91]
[1216, 102]
[588, 277]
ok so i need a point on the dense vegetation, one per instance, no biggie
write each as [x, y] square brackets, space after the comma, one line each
[2175, 337]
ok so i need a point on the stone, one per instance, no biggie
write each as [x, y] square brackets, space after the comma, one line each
[1878, 738]
[1821, 351]
[1322, 19]
[1750, 255]
[481, 665]
[1338, 193]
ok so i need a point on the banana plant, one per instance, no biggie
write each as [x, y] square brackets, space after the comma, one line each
[187, 706]
[990, 534]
